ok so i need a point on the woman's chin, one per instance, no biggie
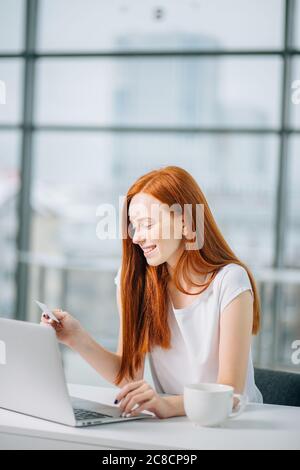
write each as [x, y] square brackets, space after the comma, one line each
[155, 261]
[152, 262]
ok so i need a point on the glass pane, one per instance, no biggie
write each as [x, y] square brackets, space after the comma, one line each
[289, 325]
[187, 92]
[293, 195]
[9, 186]
[73, 173]
[168, 24]
[277, 351]
[11, 25]
[295, 101]
[11, 78]
[297, 24]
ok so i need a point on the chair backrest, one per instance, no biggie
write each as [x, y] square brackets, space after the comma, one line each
[278, 388]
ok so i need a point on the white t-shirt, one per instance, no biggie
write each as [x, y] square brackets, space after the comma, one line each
[194, 353]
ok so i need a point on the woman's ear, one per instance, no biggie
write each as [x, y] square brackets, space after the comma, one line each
[187, 230]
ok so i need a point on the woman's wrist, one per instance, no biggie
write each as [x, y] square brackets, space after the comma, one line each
[175, 406]
[79, 340]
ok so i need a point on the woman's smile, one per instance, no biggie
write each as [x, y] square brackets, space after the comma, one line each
[149, 249]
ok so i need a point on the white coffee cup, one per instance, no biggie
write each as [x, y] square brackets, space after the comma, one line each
[208, 404]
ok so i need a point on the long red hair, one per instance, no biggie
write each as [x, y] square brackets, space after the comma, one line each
[144, 288]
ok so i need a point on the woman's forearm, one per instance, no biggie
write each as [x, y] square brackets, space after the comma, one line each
[105, 362]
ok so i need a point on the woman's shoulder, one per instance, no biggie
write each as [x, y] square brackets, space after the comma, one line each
[233, 279]
[233, 276]
[232, 271]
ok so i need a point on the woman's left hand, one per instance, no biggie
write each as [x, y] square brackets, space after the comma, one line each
[142, 394]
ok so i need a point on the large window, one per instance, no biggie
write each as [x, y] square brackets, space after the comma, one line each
[112, 89]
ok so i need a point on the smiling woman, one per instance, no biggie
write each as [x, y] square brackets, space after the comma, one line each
[206, 339]
[183, 297]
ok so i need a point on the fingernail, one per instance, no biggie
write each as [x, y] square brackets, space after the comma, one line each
[116, 401]
[128, 414]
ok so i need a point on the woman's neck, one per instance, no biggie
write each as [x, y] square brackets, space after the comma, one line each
[195, 277]
[187, 286]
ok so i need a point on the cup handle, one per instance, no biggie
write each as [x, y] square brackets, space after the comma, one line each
[243, 400]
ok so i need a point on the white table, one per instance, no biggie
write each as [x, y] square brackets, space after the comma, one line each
[259, 427]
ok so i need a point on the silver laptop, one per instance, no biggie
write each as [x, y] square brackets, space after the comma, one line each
[33, 382]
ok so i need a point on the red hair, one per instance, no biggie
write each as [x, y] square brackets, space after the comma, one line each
[144, 288]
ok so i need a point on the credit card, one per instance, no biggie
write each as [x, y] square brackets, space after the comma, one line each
[47, 310]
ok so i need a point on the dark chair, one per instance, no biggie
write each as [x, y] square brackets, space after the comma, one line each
[278, 388]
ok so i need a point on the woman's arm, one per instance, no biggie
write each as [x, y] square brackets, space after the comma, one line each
[235, 339]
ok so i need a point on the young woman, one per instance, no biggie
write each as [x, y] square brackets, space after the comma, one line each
[184, 299]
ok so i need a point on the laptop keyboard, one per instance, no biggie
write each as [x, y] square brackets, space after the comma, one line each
[81, 414]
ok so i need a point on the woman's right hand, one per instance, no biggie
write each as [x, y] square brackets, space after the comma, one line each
[68, 330]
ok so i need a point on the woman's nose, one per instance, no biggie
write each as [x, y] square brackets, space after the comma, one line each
[138, 236]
